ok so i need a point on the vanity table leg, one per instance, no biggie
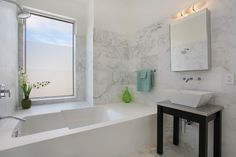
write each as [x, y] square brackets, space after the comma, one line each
[176, 131]
[218, 134]
[160, 130]
[203, 138]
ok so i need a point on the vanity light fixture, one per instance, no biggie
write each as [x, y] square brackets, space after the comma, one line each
[191, 10]
[194, 9]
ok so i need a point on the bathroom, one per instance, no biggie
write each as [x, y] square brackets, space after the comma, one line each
[83, 112]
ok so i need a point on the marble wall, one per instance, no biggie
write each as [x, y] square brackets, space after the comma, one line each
[110, 66]
[8, 56]
[150, 48]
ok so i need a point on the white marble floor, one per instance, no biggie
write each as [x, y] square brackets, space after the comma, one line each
[169, 151]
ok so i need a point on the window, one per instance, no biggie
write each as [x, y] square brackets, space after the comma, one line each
[49, 55]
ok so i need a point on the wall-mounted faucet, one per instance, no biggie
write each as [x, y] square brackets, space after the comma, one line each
[4, 92]
[187, 79]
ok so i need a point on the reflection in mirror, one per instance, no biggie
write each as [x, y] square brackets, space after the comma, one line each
[189, 43]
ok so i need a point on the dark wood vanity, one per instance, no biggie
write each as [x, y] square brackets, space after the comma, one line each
[202, 115]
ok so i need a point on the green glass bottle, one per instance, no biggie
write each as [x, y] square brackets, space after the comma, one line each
[127, 98]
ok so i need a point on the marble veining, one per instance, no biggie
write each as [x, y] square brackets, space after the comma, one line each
[169, 151]
[110, 66]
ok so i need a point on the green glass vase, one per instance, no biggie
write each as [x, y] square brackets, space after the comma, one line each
[127, 98]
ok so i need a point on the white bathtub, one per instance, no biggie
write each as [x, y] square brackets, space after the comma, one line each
[114, 130]
[65, 119]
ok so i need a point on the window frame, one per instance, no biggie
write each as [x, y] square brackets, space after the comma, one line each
[24, 56]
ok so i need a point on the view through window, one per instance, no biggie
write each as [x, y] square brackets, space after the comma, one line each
[49, 50]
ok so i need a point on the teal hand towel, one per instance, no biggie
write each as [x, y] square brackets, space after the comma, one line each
[143, 74]
[145, 80]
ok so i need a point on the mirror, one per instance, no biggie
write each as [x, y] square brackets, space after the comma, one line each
[190, 42]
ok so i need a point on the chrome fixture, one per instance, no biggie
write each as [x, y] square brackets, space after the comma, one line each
[22, 14]
[185, 51]
[191, 79]
[199, 78]
[4, 91]
[196, 7]
[13, 117]
[187, 79]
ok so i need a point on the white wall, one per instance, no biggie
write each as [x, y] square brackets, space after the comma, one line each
[144, 12]
[125, 17]
[112, 15]
[76, 9]
[8, 56]
[89, 56]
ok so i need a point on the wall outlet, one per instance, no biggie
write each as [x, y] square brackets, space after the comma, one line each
[230, 79]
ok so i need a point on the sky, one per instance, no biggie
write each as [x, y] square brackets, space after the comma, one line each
[49, 44]
[50, 31]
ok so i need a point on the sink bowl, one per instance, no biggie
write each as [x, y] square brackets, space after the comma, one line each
[189, 98]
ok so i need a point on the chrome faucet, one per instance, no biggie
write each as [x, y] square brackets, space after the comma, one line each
[191, 79]
[4, 91]
[187, 79]
[13, 117]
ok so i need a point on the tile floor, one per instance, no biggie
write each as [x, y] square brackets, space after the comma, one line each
[169, 151]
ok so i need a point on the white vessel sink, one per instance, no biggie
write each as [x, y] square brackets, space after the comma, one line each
[189, 98]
